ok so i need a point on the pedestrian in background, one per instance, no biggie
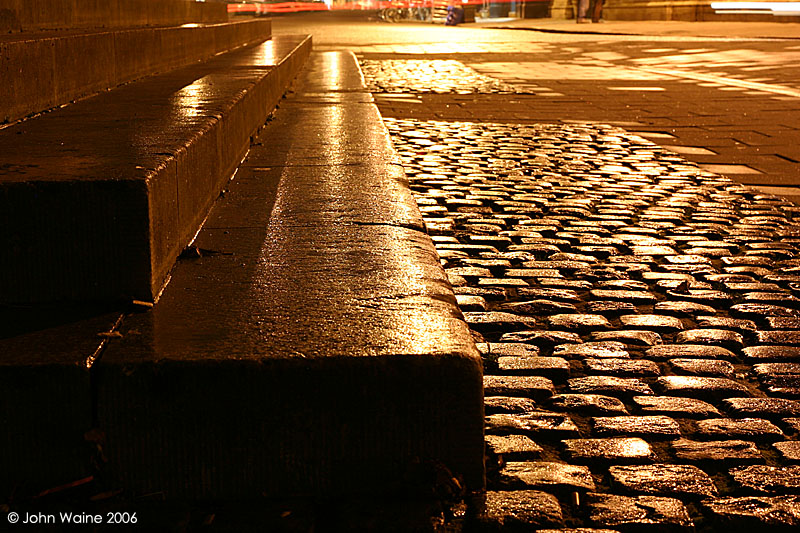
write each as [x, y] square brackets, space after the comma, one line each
[597, 10]
[583, 7]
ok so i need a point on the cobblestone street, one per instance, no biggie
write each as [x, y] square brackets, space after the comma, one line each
[638, 317]
[319, 272]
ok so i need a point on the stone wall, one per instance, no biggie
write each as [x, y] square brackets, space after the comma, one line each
[32, 15]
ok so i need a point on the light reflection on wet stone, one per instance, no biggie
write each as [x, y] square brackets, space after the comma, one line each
[640, 271]
[547, 475]
[757, 429]
[768, 479]
[624, 450]
[428, 76]
[710, 452]
[675, 406]
[664, 480]
[520, 508]
[773, 511]
[641, 513]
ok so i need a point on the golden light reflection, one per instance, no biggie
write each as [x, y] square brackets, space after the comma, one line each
[634, 448]
[338, 255]
[264, 54]
[191, 101]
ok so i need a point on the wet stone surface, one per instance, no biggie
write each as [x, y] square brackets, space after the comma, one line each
[530, 508]
[609, 349]
[702, 367]
[428, 76]
[512, 447]
[610, 451]
[789, 451]
[659, 323]
[547, 475]
[724, 451]
[535, 387]
[551, 367]
[689, 351]
[701, 387]
[589, 404]
[762, 407]
[768, 479]
[621, 367]
[665, 480]
[757, 429]
[653, 427]
[715, 337]
[634, 287]
[675, 406]
[508, 404]
[782, 513]
[539, 424]
[641, 513]
[757, 354]
[610, 386]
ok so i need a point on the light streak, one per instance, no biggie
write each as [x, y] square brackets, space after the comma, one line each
[758, 8]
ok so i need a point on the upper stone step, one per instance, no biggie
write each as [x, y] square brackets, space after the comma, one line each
[41, 71]
[33, 15]
[98, 198]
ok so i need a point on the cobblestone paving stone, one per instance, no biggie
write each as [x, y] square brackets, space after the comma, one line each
[638, 320]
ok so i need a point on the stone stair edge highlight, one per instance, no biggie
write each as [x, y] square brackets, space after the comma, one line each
[53, 69]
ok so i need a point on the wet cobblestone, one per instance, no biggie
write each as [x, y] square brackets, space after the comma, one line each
[650, 513]
[440, 76]
[656, 315]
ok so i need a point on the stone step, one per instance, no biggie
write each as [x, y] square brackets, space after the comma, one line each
[32, 15]
[98, 198]
[44, 70]
[314, 348]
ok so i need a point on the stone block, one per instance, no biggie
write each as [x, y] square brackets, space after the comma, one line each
[301, 356]
[54, 69]
[522, 508]
[30, 15]
[664, 480]
[26, 69]
[244, 429]
[556, 477]
[646, 513]
[779, 513]
[46, 397]
[148, 159]
[83, 64]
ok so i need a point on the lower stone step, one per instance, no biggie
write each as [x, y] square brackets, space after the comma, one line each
[315, 348]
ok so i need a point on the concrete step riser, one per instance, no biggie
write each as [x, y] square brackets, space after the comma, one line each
[236, 430]
[46, 72]
[32, 15]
